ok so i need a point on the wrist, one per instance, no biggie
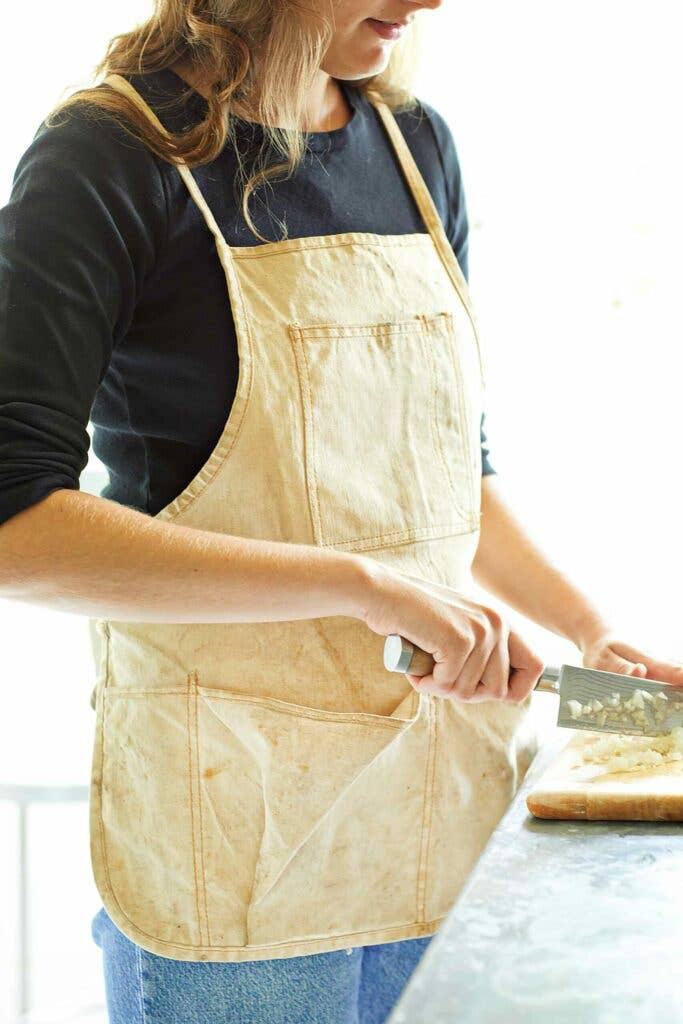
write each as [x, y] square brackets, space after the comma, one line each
[368, 583]
[587, 628]
[359, 583]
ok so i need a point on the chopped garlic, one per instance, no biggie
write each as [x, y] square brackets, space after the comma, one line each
[617, 752]
[574, 708]
[629, 711]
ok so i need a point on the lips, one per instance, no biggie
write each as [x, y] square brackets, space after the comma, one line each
[387, 29]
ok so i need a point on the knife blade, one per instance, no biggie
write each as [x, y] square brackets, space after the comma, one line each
[589, 698]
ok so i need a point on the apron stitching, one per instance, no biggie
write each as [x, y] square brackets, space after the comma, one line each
[415, 531]
[397, 931]
[308, 434]
[237, 416]
[237, 254]
[199, 804]
[176, 691]
[436, 437]
[208, 472]
[436, 432]
[466, 432]
[455, 360]
[100, 786]
[419, 881]
[107, 654]
[343, 331]
[436, 440]
[430, 799]
[192, 813]
[426, 813]
[317, 715]
[313, 495]
[103, 846]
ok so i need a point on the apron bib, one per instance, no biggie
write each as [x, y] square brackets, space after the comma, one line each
[268, 789]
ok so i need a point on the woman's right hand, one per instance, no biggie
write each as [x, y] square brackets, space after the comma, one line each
[477, 656]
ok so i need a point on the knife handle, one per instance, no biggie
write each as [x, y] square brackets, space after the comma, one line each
[400, 655]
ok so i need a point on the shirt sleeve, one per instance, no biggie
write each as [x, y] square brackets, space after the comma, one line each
[74, 253]
[457, 225]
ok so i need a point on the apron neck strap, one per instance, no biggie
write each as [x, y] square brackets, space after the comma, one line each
[124, 86]
[416, 182]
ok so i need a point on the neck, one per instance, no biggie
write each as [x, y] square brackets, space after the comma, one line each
[326, 107]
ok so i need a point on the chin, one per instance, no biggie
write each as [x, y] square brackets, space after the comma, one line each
[355, 67]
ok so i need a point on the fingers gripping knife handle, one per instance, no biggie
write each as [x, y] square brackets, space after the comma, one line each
[400, 655]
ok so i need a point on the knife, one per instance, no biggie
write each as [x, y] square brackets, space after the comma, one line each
[589, 698]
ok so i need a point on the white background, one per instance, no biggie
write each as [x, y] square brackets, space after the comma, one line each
[567, 122]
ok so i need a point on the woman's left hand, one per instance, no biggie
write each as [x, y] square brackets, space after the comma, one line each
[609, 653]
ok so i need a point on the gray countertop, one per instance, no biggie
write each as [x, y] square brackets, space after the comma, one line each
[560, 922]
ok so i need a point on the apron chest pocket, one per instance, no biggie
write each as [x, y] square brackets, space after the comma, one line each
[391, 431]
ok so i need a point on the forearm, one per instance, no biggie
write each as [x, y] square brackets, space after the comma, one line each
[513, 567]
[76, 552]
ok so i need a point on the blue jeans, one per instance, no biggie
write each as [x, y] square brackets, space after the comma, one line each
[360, 987]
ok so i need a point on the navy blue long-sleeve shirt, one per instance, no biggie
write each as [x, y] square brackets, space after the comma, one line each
[113, 303]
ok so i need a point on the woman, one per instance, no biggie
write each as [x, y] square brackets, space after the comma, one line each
[293, 433]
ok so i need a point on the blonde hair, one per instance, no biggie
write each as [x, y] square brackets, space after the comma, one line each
[259, 54]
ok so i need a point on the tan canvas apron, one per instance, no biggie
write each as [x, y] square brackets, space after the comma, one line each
[266, 790]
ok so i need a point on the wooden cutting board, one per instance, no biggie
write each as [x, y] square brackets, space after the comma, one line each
[573, 788]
